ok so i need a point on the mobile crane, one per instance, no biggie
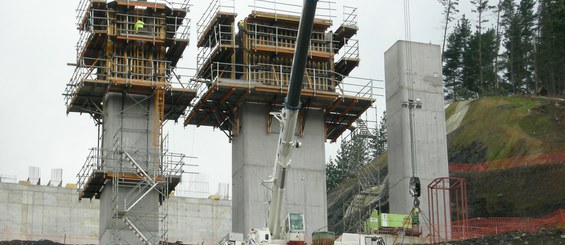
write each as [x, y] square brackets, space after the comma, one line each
[292, 228]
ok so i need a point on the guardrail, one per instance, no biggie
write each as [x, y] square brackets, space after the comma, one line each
[317, 80]
[350, 15]
[111, 160]
[281, 37]
[324, 9]
[84, 6]
[350, 49]
[97, 21]
[222, 36]
[149, 71]
[215, 7]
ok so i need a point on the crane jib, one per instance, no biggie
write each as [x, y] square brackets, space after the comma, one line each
[292, 101]
[290, 116]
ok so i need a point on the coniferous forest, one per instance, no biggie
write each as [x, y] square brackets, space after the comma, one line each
[504, 47]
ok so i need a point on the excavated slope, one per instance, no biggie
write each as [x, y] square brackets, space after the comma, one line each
[510, 150]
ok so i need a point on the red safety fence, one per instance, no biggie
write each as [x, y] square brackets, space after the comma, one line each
[547, 158]
[478, 227]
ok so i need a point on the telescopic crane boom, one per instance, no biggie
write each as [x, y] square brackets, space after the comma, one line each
[288, 117]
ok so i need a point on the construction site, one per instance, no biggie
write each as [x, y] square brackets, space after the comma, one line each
[275, 78]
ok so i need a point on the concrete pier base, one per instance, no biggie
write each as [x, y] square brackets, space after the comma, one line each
[253, 156]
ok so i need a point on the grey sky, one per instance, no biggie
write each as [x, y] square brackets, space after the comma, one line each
[38, 40]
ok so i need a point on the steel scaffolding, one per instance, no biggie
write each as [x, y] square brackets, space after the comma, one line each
[125, 78]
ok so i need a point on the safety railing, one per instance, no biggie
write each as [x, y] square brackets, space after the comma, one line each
[316, 80]
[350, 15]
[183, 77]
[275, 37]
[113, 160]
[360, 87]
[84, 6]
[150, 72]
[350, 49]
[324, 10]
[155, 28]
[181, 27]
[81, 10]
[221, 37]
[92, 163]
[215, 7]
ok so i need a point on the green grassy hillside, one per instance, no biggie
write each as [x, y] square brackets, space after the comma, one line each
[519, 143]
[499, 128]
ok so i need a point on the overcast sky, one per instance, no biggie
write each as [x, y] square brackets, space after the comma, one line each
[38, 39]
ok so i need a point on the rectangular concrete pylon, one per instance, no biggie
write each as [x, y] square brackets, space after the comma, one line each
[128, 122]
[413, 71]
[253, 156]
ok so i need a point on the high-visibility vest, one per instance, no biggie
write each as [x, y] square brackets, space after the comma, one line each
[138, 24]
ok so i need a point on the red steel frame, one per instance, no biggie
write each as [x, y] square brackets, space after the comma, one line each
[444, 193]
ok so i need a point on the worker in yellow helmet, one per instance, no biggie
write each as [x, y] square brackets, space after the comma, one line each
[138, 25]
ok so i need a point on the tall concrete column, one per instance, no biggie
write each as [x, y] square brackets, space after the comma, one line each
[253, 156]
[413, 71]
[128, 125]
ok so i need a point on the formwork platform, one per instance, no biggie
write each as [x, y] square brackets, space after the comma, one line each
[253, 66]
[98, 178]
[218, 106]
[89, 96]
[113, 56]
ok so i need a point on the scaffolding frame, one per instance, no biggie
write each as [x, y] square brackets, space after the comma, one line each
[114, 55]
[131, 173]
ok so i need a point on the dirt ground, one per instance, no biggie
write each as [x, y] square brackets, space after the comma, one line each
[542, 237]
[40, 242]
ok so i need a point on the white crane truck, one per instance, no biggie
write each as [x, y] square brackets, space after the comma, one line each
[291, 229]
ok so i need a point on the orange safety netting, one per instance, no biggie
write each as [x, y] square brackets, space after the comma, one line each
[548, 158]
[477, 227]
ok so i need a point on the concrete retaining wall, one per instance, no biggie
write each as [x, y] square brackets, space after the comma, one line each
[31, 212]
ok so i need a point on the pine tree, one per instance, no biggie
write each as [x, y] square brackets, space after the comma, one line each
[457, 45]
[527, 28]
[378, 144]
[511, 43]
[481, 7]
[351, 157]
[550, 48]
[449, 10]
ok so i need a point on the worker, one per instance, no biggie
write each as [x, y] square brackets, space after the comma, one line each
[241, 25]
[138, 25]
[415, 216]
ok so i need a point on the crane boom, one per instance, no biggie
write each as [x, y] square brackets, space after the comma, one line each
[289, 115]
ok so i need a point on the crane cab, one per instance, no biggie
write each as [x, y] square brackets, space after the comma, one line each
[293, 227]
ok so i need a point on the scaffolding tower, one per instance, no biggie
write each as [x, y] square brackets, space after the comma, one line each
[251, 63]
[125, 79]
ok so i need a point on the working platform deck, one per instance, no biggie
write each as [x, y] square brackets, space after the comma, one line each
[345, 65]
[216, 107]
[98, 178]
[89, 94]
[220, 18]
[342, 34]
